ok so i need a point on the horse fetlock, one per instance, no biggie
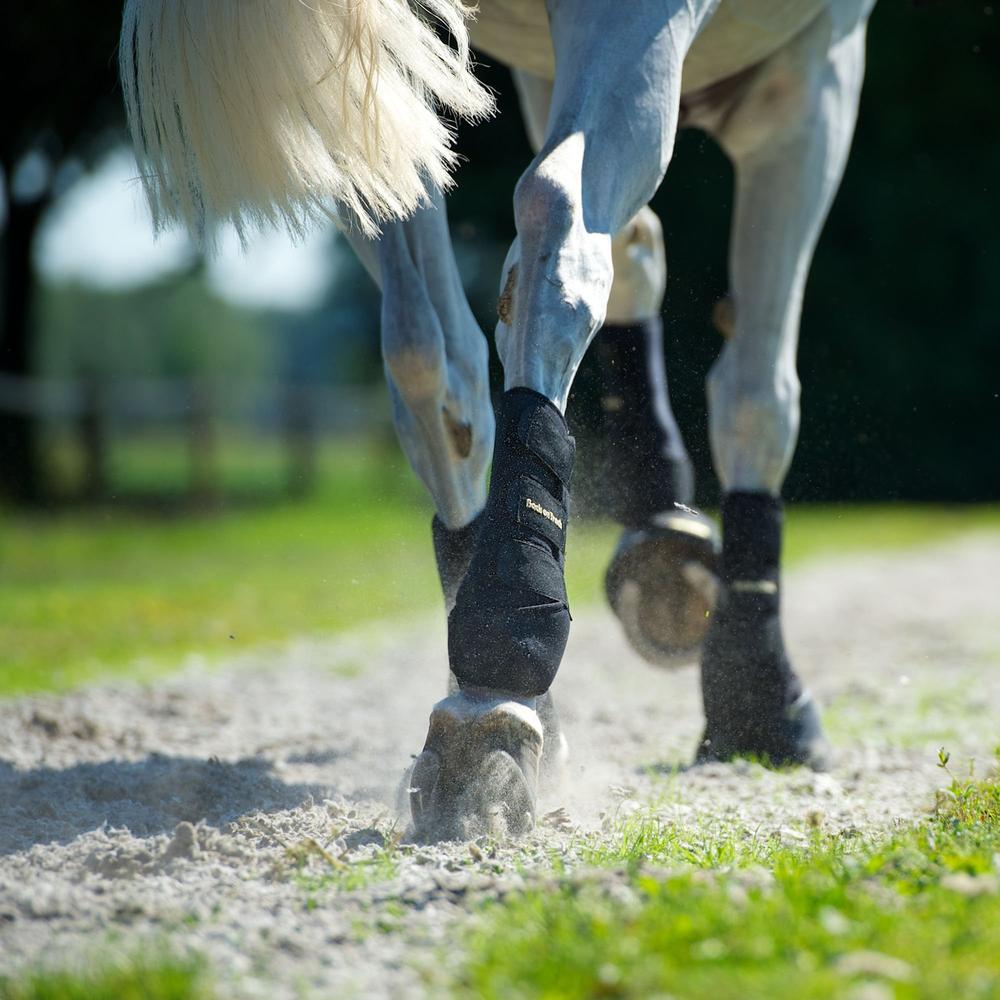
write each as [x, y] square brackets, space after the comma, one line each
[755, 704]
[509, 627]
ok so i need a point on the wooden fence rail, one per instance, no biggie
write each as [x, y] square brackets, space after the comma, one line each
[98, 410]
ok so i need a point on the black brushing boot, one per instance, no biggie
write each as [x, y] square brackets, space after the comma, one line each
[453, 550]
[647, 465]
[479, 769]
[660, 580]
[755, 704]
[510, 623]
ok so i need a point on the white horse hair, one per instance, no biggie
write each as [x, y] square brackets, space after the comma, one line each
[266, 112]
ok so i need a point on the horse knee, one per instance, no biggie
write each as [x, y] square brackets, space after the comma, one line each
[547, 195]
[561, 263]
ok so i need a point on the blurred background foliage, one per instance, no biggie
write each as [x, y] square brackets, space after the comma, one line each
[899, 354]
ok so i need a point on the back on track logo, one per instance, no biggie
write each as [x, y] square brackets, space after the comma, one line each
[547, 514]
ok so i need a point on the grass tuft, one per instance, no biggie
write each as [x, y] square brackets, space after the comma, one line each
[168, 980]
[317, 870]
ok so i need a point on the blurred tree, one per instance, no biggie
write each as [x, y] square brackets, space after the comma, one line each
[62, 103]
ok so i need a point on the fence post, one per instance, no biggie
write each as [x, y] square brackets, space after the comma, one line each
[300, 438]
[201, 444]
[92, 429]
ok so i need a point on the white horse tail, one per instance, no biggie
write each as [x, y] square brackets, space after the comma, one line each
[265, 112]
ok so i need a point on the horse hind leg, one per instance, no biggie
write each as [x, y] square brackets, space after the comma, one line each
[660, 581]
[435, 360]
[788, 135]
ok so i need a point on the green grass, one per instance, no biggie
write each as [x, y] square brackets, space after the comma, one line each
[317, 872]
[87, 594]
[84, 594]
[132, 980]
[914, 915]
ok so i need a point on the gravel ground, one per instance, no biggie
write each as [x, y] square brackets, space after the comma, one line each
[189, 815]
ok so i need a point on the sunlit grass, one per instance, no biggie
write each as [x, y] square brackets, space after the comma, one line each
[915, 913]
[84, 594]
[130, 980]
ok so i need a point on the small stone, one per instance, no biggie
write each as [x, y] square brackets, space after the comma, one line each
[971, 885]
[184, 843]
[47, 723]
[363, 838]
[833, 921]
[874, 963]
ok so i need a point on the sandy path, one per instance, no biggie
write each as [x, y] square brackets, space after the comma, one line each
[309, 740]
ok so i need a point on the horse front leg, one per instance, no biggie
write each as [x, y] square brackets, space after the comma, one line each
[788, 136]
[610, 136]
[660, 581]
[435, 359]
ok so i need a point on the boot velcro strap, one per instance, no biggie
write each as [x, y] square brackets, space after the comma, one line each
[542, 431]
[525, 565]
[539, 511]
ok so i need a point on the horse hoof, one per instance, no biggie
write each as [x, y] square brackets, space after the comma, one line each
[554, 763]
[478, 772]
[791, 738]
[755, 704]
[661, 584]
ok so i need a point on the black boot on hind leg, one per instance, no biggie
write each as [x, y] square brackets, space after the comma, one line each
[661, 579]
[453, 550]
[755, 704]
[506, 637]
